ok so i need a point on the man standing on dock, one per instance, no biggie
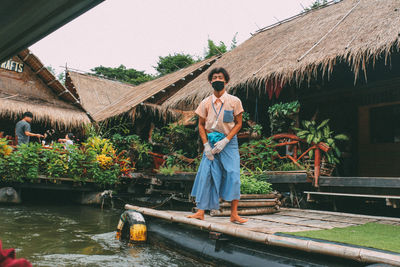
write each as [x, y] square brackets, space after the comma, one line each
[23, 129]
[218, 176]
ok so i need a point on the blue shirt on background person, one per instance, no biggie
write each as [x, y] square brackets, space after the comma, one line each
[23, 129]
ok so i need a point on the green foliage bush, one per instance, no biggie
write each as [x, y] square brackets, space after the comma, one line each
[79, 162]
[315, 133]
[23, 163]
[96, 161]
[258, 154]
[282, 116]
[54, 162]
[251, 183]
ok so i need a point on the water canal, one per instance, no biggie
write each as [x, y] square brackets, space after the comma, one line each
[67, 235]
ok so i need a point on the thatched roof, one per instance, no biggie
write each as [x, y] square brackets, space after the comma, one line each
[94, 92]
[152, 92]
[48, 78]
[36, 90]
[351, 31]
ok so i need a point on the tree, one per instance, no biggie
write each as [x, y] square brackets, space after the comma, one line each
[316, 4]
[234, 41]
[213, 49]
[60, 76]
[123, 74]
[173, 63]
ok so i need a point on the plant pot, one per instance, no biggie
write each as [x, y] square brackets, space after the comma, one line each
[255, 136]
[158, 160]
[243, 135]
[326, 168]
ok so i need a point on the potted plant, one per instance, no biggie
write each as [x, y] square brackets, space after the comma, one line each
[322, 135]
[283, 116]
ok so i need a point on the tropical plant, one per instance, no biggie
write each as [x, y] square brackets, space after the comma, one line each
[139, 153]
[121, 142]
[104, 176]
[245, 117]
[282, 116]
[315, 133]
[258, 154]
[288, 166]
[54, 162]
[168, 170]
[5, 149]
[250, 184]
[79, 161]
[99, 145]
[181, 138]
[178, 162]
[23, 163]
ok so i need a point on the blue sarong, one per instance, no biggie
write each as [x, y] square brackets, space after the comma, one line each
[218, 178]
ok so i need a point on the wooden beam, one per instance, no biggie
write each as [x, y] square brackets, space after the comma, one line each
[39, 70]
[352, 195]
[51, 82]
[27, 56]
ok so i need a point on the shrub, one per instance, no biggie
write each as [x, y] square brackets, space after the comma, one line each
[251, 184]
[23, 163]
[258, 154]
[54, 162]
[282, 116]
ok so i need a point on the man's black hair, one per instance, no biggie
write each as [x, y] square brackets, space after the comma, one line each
[218, 70]
[27, 114]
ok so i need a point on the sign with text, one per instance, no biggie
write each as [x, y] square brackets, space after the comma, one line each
[12, 65]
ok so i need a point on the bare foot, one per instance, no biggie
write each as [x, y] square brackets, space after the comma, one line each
[198, 215]
[237, 219]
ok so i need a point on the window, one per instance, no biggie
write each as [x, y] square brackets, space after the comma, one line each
[385, 124]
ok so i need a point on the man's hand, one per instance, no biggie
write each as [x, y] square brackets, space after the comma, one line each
[207, 151]
[39, 135]
[220, 145]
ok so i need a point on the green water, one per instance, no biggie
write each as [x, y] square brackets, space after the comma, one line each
[62, 235]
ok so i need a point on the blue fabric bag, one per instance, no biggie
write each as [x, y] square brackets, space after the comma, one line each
[215, 137]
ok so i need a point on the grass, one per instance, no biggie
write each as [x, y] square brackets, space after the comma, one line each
[373, 235]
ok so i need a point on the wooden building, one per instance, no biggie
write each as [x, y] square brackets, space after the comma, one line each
[27, 85]
[340, 61]
[105, 100]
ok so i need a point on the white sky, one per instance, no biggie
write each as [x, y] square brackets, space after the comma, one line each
[136, 32]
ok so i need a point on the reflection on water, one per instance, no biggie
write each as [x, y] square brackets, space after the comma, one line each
[76, 236]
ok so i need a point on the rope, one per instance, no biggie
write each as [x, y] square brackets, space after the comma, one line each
[165, 201]
[334, 27]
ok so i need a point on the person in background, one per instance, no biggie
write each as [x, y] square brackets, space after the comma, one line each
[68, 140]
[23, 129]
[218, 176]
[49, 136]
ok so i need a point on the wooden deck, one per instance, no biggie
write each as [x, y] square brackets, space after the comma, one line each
[263, 229]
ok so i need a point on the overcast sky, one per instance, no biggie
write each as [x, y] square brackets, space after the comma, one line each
[136, 32]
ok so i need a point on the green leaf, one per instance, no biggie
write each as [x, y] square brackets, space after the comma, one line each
[341, 137]
[325, 122]
[310, 138]
[302, 133]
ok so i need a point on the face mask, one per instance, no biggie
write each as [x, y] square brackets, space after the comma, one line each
[218, 85]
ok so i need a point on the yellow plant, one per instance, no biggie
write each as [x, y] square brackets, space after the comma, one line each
[100, 145]
[104, 161]
[5, 149]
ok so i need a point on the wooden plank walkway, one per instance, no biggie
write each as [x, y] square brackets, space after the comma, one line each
[263, 229]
